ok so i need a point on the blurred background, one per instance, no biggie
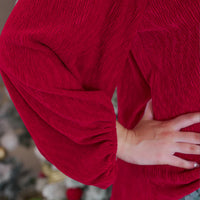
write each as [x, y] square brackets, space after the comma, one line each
[24, 173]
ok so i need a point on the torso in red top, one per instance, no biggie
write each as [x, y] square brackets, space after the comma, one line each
[164, 59]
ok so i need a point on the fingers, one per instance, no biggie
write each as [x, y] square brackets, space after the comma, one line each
[148, 113]
[187, 148]
[179, 162]
[184, 120]
[188, 137]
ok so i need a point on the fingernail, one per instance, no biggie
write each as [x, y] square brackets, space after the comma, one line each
[196, 165]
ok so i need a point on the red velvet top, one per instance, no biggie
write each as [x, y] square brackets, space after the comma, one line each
[61, 62]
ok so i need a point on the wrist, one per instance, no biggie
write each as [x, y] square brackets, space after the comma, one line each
[122, 133]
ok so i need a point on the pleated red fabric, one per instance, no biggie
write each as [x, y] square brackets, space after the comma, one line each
[61, 62]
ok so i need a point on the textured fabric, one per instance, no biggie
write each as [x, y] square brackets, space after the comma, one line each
[61, 61]
[163, 64]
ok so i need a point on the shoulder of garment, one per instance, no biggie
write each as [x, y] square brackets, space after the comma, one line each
[45, 49]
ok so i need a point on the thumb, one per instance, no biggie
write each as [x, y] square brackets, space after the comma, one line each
[148, 113]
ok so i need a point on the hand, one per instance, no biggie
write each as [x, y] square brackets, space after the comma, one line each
[154, 142]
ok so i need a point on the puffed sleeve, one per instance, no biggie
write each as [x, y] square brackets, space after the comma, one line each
[73, 128]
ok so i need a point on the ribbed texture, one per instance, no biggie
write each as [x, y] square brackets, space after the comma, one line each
[60, 61]
[163, 64]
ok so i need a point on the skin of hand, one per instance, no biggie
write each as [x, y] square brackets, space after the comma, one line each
[154, 142]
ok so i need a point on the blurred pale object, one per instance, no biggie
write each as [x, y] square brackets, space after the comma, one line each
[9, 140]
